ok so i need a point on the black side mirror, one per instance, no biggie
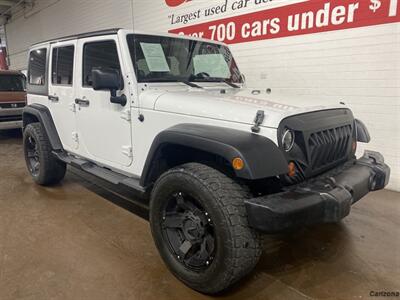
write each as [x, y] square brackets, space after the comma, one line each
[103, 80]
[109, 80]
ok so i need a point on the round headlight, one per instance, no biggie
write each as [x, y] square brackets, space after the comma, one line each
[288, 140]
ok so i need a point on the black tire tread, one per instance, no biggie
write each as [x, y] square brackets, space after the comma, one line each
[230, 197]
[52, 170]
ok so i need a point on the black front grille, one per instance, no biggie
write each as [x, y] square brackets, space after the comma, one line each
[329, 146]
[323, 140]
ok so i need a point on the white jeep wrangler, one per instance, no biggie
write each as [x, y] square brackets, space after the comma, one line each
[169, 116]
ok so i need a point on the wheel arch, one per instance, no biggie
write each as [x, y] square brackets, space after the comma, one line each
[37, 113]
[262, 157]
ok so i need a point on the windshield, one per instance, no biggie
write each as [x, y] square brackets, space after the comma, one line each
[12, 83]
[166, 59]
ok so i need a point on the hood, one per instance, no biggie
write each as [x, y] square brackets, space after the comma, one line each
[232, 105]
[12, 97]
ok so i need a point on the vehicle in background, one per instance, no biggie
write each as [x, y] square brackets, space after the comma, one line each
[12, 99]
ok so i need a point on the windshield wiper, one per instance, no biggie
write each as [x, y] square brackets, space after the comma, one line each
[214, 79]
[166, 79]
[235, 86]
[191, 84]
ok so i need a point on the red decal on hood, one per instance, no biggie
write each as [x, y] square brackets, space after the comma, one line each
[174, 3]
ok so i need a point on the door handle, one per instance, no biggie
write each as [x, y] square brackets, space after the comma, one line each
[54, 98]
[82, 102]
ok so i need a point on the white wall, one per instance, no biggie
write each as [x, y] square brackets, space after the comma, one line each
[55, 18]
[358, 66]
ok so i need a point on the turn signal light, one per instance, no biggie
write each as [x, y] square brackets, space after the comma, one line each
[238, 164]
[292, 169]
[354, 146]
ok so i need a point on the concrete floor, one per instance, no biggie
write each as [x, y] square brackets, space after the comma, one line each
[73, 242]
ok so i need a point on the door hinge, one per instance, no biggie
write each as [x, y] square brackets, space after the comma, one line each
[127, 151]
[72, 107]
[126, 115]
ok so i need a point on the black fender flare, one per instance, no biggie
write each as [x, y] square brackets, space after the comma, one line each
[262, 156]
[43, 115]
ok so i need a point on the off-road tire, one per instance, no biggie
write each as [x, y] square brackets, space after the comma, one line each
[238, 247]
[51, 170]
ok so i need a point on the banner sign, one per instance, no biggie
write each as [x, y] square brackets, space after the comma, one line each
[308, 17]
[174, 3]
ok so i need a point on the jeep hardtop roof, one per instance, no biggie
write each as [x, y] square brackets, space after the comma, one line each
[81, 36]
[114, 31]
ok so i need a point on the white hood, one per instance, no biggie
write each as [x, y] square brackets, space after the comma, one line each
[235, 105]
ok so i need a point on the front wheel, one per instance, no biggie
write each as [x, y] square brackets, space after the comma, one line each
[43, 166]
[200, 227]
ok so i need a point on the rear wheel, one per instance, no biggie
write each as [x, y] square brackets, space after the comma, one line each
[199, 225]
[43, 166]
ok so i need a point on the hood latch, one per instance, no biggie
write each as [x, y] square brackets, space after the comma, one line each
[258, 121]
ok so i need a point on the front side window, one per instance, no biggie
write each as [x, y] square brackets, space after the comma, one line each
[99, 55]
[62, 65]
[37, 67]
[167, 59]
[12, 83]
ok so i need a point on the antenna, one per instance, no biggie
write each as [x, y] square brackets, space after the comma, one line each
[140, 116]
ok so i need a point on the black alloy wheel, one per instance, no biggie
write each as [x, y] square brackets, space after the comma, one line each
[33, 158]
[188, 230]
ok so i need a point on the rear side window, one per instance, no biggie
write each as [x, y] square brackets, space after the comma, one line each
[37, 67]
[62, 68]
[99, 55]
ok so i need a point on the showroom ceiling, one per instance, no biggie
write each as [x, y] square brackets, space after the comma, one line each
[7, 5]
[7, 8]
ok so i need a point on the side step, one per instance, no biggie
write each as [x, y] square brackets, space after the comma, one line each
[103, 173]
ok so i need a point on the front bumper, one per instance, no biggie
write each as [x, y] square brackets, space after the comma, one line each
[325, 199]
[11, 118]
[10, 125]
